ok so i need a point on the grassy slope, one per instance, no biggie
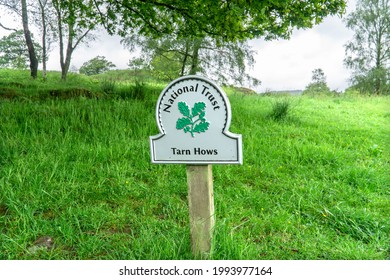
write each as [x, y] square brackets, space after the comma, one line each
[315, 186]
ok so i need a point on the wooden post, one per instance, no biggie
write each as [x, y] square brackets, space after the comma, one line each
[201, 208]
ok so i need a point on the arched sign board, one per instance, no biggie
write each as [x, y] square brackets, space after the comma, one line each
[193, 115]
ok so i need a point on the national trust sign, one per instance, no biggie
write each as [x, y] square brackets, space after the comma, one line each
[193, 115]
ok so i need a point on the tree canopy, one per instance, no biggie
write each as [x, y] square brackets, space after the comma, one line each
[226, 20]
[368, 53]
[14, 52]
[318, 83]
[75, 20]
[169, 58]
[219, 20]
[96, 65]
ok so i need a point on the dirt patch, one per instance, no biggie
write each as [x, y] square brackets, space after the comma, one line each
[8, 93]
[42, 243]
[67, 93]
[3, 209]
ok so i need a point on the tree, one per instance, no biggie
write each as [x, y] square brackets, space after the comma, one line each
[97, 65]
[137, 64]
[11, 6]
[14, 52]
[368, 53]
[165, 67]
[37, 13]
[30, 44]
[226, 20]
[19, 7]
[221, 21]
[318, 83]
[169, 57]
[75, 21]
[44, 20]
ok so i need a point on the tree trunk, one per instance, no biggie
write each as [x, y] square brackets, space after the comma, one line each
[44, 31]
[74, 37]
[378, 61]
[186, 54]
[65, 63]
[57, 7]
[29, 42]
[195, 57]
[69, 51]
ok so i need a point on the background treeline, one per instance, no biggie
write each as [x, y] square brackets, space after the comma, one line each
[188, 39]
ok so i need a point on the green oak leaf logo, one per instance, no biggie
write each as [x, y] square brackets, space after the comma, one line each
[193, 121]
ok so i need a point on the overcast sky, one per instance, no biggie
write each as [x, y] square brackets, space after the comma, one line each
[280, 65]
[288, 64]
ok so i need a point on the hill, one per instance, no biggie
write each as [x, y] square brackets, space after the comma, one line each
[75, 169]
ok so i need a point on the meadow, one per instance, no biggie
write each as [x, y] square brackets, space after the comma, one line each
[75, 169]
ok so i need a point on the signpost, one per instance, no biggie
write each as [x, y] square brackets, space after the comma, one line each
[193, 115]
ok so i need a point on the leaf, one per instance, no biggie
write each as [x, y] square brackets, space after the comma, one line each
[198, 108]
[201, 116]
[182, 122]
[183, 108]
[201, 127]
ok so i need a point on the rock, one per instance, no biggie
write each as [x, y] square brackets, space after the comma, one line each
[42, 243]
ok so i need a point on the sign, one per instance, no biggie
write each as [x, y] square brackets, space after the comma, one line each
[193, 115]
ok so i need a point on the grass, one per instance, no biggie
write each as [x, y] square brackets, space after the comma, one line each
[315, 186]
[280, 110]
[17, 84]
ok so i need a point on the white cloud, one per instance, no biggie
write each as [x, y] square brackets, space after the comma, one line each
[288, 64]
[105, 45]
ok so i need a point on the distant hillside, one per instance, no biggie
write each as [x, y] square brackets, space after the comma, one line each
[284, 92]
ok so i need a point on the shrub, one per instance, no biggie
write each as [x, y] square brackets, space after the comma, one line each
[280, 110]
[315, 89]
[108, 86]
[138, 90]
[96, 66]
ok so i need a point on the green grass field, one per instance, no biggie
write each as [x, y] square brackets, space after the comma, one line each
[75, 166]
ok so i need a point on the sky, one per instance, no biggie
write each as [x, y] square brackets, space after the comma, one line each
[280, 64]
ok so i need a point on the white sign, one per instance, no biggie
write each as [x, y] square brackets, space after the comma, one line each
[193, 115]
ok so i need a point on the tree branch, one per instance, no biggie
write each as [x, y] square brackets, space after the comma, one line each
[6, 28]
[81, 38]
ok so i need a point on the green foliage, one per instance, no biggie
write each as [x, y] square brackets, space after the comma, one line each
[18, 85]
[137, 91]
[280, 110]
[76, 19]
[165, 67]
[368, 53]
[226, 20]
[14, 52]
[108, 86]
[376, 81]
[169, 58]
[96, 65]
[318, 84]
[127, 75]
[316, 89]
